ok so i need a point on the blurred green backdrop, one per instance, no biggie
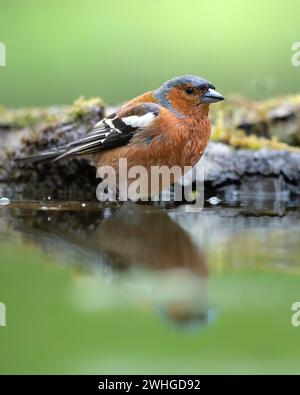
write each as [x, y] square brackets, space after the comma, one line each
[60, 49]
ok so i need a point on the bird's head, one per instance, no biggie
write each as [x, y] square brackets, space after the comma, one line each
[187, 94]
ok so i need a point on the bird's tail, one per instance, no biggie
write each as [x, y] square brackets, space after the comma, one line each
[41, 157]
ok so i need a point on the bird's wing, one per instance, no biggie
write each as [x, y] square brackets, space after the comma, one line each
[114, 131]
[111, 132]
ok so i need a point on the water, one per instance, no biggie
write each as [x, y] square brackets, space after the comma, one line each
[96, 288]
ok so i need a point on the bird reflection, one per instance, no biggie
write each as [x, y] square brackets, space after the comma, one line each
[132, 238]
[146, 236]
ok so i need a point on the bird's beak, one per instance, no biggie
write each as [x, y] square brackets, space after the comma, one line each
[211, 96]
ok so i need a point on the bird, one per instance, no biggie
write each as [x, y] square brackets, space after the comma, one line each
[168, 126]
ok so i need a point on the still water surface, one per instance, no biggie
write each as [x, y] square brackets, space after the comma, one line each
[93, 288]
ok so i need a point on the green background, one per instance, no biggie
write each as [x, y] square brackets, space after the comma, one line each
[60, 49]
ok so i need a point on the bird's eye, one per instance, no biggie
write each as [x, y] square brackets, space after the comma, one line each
[189, 91]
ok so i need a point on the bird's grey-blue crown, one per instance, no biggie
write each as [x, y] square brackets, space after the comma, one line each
[162, 92]
[192, 80]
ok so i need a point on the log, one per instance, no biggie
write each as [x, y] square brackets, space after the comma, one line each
[28, 131]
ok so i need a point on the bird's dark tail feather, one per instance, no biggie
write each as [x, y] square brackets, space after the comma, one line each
[41, 157]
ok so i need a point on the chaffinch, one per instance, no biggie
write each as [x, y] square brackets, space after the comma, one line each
[168, 126]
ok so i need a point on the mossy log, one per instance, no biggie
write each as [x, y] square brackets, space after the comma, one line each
[249, 139]
[28, 131]
[272, 123]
